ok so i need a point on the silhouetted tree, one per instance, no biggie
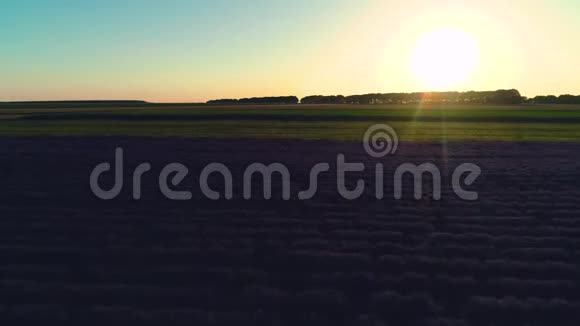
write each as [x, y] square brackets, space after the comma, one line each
[551, 99]
[320, 99]
[258, 100]
[511, 96]
[223, 101]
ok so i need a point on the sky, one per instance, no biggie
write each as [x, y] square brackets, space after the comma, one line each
[192, 51]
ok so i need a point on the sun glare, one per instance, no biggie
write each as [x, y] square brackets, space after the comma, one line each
[443, 58]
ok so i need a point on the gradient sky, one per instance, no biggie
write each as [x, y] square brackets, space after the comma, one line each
[186, 51]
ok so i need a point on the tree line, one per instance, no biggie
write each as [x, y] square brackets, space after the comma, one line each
[258, 100]
[553, 99]
[511, 96]
[501, 96]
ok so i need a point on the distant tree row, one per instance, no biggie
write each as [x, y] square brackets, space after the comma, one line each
[511, 96]
[552, 99]
[321, 99]
[502, 96]
[258, 100]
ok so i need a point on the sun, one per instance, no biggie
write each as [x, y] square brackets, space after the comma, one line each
[444, 57]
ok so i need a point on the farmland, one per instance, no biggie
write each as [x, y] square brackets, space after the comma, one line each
[510, 258]
[415, 123]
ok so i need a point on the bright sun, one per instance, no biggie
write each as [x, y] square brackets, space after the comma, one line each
[444, 57]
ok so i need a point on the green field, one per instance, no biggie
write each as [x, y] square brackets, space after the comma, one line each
[341, 122]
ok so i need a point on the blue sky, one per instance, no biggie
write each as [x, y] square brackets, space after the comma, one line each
[197, 50]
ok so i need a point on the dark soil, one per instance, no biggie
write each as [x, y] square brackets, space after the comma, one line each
[510, 258]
